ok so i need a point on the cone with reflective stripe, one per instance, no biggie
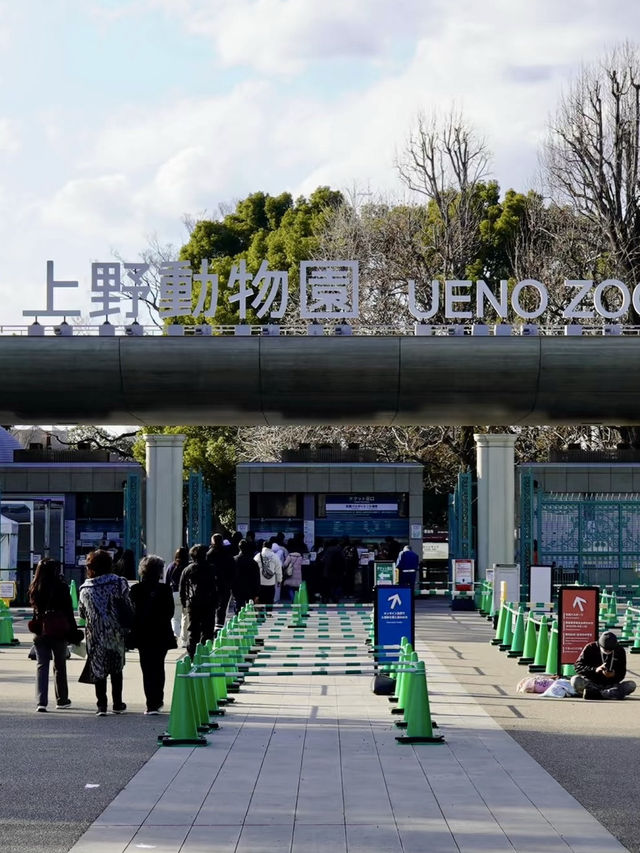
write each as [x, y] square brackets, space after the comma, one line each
[419, 726]
[183, 727]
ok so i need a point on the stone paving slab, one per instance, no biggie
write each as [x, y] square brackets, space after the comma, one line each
[310, 763]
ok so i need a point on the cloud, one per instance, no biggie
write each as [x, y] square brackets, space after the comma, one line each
[284, 36]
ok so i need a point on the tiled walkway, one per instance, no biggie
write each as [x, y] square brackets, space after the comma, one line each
[309, 764]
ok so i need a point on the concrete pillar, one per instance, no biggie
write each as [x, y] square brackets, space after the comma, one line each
[496, 511]
[164, 526]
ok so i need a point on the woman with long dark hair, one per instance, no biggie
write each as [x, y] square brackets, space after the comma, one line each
[153, 606]
[54, 625]
[106, 606]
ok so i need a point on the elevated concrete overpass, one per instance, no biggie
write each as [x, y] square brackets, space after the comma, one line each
[320, 380]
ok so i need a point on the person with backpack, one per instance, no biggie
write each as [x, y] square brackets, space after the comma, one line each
[270, 572]
[199, 598]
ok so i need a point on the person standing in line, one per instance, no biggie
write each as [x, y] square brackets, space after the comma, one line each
[270, 572]
[282, 553]
[198, 596]
[105, 604]
[407, 565]
[246, 578]
[220, 559]
[49, 594]
[174, 572]
[234, 543]
[153, 609]
[292, 571]
[251, 539]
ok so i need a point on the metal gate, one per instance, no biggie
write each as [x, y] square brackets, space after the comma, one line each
[587, 537]
[461, 539]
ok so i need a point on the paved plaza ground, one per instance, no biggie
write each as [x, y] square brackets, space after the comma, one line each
[310, 763]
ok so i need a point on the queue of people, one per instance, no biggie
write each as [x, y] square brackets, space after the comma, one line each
[184, 606]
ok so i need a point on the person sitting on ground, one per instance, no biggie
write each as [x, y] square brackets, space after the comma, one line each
[600, 670]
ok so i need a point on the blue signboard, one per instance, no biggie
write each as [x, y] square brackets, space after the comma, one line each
[394, 619]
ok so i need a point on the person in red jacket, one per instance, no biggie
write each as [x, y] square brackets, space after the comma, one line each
[601, 670]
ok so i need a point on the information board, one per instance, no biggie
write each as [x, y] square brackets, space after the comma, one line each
[384, 573]
[394, 619]
[463, 574]
[578, 608]
[7, 590]
[540, 584]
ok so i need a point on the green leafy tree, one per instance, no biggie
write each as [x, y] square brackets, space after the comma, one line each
[262, 227]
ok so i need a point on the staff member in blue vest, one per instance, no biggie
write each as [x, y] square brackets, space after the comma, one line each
[407, 565]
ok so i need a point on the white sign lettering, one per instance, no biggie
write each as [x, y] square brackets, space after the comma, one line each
[328, 291]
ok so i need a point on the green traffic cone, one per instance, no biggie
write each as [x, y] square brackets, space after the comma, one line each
[411, 659]
[419, 725]
[6, 629]
[210, 697]
[530, 642]
[219, 681]
[635, 650]
[73, 591]
[507, 633]
[183, 728]
[542, 647]
[403, 657]
[497, 640]
[200, 702]
[517, 643]
[405, 651]
[551, 667]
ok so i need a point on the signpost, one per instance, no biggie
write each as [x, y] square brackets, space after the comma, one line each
[578, 608]
[394, 613]
[384, 573]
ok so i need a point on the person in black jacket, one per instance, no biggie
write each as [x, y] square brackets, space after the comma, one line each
[600, 670]
[245, 585]
[153, 608]
[172, 579]
[220, 558]
[49, 594]
[199, 598]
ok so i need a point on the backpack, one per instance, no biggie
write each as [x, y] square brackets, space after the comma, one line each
[267, 571]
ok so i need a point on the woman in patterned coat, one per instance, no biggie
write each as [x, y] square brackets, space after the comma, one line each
[105, 604]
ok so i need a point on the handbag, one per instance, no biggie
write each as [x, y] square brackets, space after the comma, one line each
[35, 625]
[55, 625]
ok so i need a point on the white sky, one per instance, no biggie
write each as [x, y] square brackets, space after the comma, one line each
[117, 118]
